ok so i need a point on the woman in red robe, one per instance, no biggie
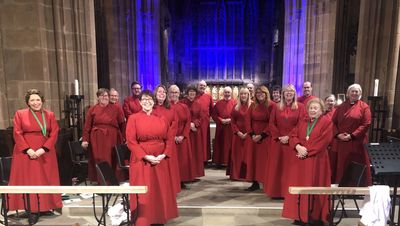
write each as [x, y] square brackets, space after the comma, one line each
[236, 170]
[163, 108]
[351, 122]
[149, 141]
[284, 119]
[257, 147]
[182, 139]
[196, 133]
[221, 115]
[309, 142]
[34, 157]
[104, 125]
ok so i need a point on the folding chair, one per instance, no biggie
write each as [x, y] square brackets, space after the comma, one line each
[123, 156]
[79, 160]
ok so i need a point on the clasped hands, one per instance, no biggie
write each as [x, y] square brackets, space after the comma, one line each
[242, 135]
[301, 151]
[284, 139]
[344, 136]
[153, 159]
[179, 139]
[35, 154]
[225, 121]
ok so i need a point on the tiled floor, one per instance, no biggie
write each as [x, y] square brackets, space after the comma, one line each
[214, 200]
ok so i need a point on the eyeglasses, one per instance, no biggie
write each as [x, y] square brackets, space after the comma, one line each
[147, 100]
[103, 95]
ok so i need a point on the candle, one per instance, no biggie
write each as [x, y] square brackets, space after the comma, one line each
[76, 87]
[376, 87]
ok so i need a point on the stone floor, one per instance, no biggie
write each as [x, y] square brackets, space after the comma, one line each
[214, 200]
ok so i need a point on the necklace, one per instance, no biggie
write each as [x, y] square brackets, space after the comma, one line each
[310, 129]
[42, 127]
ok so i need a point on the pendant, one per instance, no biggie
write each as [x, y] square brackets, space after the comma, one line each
[307, 137]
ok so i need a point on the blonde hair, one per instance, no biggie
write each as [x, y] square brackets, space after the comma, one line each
[316, 101]
[265, 90]
[282, 103]
[239, 103]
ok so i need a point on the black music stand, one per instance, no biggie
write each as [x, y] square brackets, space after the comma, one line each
[385, 160]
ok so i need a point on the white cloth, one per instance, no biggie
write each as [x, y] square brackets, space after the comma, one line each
[117, 214]
[376, 206]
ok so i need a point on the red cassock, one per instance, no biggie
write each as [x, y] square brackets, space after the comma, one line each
[196, 137]
[148, 135]
[223, 134]
[131, 106]
[172, 161]
[304, 100]
[332, 154]
[237, 166]
[256, 153]
[314, 170]
[103, 130]
[183, 150]
[206, 105]
[40, 171]
[280, 156]
[354, 119]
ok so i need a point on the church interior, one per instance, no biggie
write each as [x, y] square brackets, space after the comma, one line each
[68, 49]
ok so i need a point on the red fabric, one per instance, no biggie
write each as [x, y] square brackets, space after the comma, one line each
[172, 160]
[206, 105]
[103, 130]
[183, 150]
[332, 154]
[256, 153]
[314, 170]
[148, 135]
[353, 119]
[223, 134]
[236, 169]
[304, 100]
[40, 171]
[196, 137]
[131, 106]
[280, 156]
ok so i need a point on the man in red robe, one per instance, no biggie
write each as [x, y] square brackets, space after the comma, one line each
[307, 94]
[223, 135]
[206, 104]
[131, 103]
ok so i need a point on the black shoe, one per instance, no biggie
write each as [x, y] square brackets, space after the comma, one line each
[47, 213]
[33, 218]
[254, 187]
[183, 186]
[297, 222]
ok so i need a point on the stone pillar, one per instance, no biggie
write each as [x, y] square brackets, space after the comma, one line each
[378, 50]
[45, 45]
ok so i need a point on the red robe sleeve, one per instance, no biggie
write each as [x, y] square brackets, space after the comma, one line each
[88, 125]
[272, 124]
[215, 115]
[53, 132]
[365, 122]
[248, 119]
[320, 144]
[271, 106]
[186, 130]
[132, 142]
[121, 122]
[234, 126]
[126, 108]
[20, 143]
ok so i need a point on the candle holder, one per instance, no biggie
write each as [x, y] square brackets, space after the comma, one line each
[378, 119]
[75, 114]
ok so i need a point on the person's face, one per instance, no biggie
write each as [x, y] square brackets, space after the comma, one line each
[314, 110]
[202, 87]
[103, 99]
[330, 102]
[35, 102]
[227, 94]
[136, 89]
[244, 97]
[288, 95]
[173, 95]
[260, 95]
[161, 95]
[354, 94]
[307, 89]
[191, 95]
[250, 87]
[276, 95]
[147, 103]
[114, 97]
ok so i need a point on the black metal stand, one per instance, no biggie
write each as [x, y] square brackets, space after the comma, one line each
[74, 114]
[378, 111]
[385, 160]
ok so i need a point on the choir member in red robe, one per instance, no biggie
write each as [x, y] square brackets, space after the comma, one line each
[223, 135]
[103, 129]
[276, 94]
[309, 142]
[206, 103]
[250, 87]
[114, 96]
[351, 122]
[163, 108]
[284, 119]
[330, 104]
[131, 103]
[182, 139]
[236, 169]
[150, 144]
[307, 94]
[34, 157]
[196, 134]
[257, 147]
